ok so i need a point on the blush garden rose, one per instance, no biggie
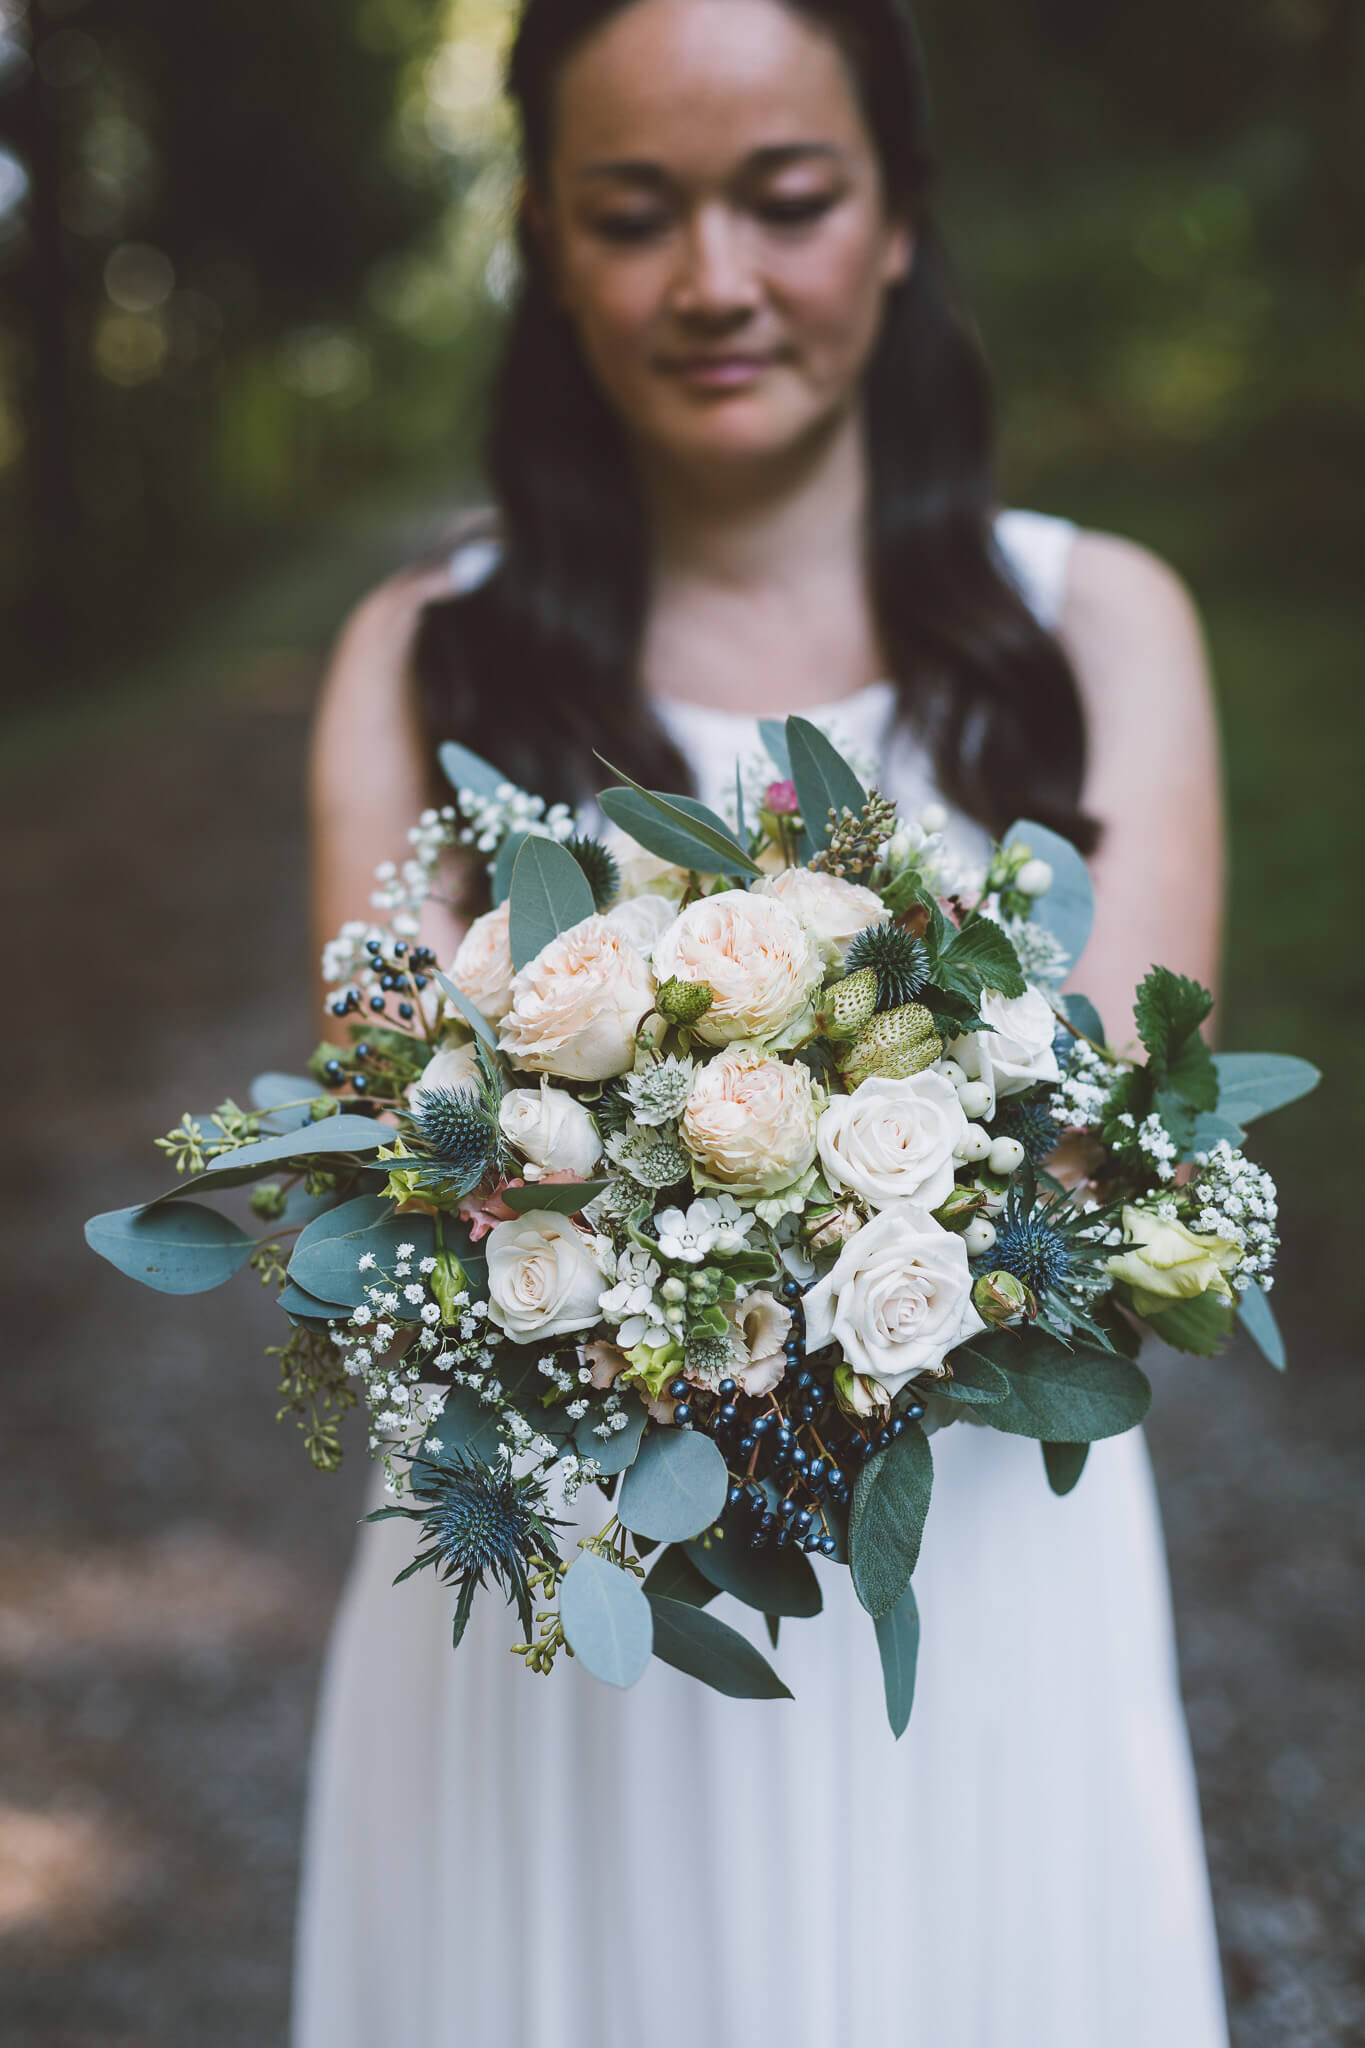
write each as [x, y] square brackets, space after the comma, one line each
[750, 1121]
[756, 957]
[577, 1006]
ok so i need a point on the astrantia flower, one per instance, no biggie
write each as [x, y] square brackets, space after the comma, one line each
[660, 1093]
[477, 1519]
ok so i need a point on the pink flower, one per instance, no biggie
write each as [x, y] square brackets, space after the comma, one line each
[781, 799]
[482, 1211]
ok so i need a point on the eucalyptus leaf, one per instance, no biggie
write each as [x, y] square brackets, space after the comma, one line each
[1257, 1318]
[612, 1453]
[329, 1267]
[1212, 1126]
[677, 830]
[773, 1581]
[503, 865]
[773, 733]
[1252, 1084]
[464, 769]
[898, 1643]
[607, 1621]
[886, 1519]
[550, 895]
[824, 781]
[553, 1198]
[1064, 1396]
[334, 1134]
[269, 1091]
[676, 1487]
[465, 1424]
[673, 1576]
[474, 1018]
[1068, 909]
[1082, 1013]
[696, 1643]
[1064, 1464]
[1201, 1326]
[175, 1247]
[295, 1302]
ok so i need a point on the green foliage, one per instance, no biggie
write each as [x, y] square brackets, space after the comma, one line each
[600, 870]
[676, 1487]
[615, 1452]
[1170, 1009]
[464, 769]
[327, 1264]
[976, 958]
[556, 1198]
[886, 1519]
[1257, 1318]
[675, 1577]
[975, 1382]
[316, 1389]
[1063, 1395]
[773, 1581]
[550, 894]
[606, 1619]
[1064, 1464]
[174, 1247]
[1201, 1326]
[898, 1645]
[675, 828]
[1068, 908]
[824, 781]
[696, 1643]
[1252, 1084]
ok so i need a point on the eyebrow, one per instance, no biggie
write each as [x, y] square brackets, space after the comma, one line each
[773, 156]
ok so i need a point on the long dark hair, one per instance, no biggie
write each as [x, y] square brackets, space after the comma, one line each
[538, 665]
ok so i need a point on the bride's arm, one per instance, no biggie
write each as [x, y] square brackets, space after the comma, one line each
[1154, 778]
[369, 775]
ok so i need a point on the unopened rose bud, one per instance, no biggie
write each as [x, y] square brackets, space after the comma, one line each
[974, 1146]
[828, 1227]
[979, 1236]
[975, 1098]
[1006, 1156]
[1002, 1298]
[1034, 878]
[684, 1002]
[858, 1396]
[960, 1207]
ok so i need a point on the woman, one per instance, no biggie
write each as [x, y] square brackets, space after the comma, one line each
[740, 452]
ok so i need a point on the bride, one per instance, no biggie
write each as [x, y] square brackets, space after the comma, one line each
[740, 453]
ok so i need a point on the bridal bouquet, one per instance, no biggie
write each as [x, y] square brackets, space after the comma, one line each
[730, 1160]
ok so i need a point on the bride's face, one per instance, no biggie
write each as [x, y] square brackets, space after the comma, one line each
[716, 226]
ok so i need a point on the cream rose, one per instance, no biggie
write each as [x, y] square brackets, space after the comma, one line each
[553, 1130]
[577, 1005]
[897, 1300]
[456, 1067]
[1014, 1052]
[755, 955]
[762, 1325]
[893, 1141]
[543, 1280]
[750, 1121]
[1168, 1263]
[482, 968]
[643, 873]
[642, 921]
[832, 910]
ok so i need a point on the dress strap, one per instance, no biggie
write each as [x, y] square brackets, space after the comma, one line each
[1036, 551]
[473, 562]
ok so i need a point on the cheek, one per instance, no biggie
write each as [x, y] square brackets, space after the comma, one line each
[832, 295]
[614, 305]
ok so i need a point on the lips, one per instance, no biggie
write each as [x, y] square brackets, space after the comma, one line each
[717, 372]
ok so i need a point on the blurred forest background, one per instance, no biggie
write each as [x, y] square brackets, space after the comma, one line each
[253, 261]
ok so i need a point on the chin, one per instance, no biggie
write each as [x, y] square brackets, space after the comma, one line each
[735, 431]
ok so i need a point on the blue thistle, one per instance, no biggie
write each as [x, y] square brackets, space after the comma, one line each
[600, 870]
[1033, 1124]
[1029, 1247]
[453, 1124]
[1040, 1243]
[901, 963]
[478, 1519]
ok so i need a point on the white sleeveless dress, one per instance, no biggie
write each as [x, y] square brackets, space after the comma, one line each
[497, 1860]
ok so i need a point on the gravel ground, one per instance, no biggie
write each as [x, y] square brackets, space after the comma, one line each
[168, 1562]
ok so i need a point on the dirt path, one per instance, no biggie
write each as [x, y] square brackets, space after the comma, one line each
[168, 1561]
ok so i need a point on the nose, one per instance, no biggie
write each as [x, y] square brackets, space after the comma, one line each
[716, 282]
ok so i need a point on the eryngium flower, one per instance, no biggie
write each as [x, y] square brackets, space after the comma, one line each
[477, 1519]
[600, 870]
[901, 964]
[1033, 1125]
[453, 1123]
[1029, 1247]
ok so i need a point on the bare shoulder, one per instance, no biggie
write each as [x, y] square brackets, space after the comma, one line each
[1135, 639]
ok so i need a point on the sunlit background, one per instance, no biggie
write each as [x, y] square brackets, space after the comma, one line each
[253, 262]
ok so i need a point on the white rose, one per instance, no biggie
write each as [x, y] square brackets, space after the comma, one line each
[456, 1067]
[763, 1326]
[750, 1121]
[642, 921]
[543, 1280]
[482, 969]
[554, 1131]
[897, 1300]
[643, 873]
[1015, 1050]
[577, 1005]
[894, 1141]
[758, 959]
[834, 910]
